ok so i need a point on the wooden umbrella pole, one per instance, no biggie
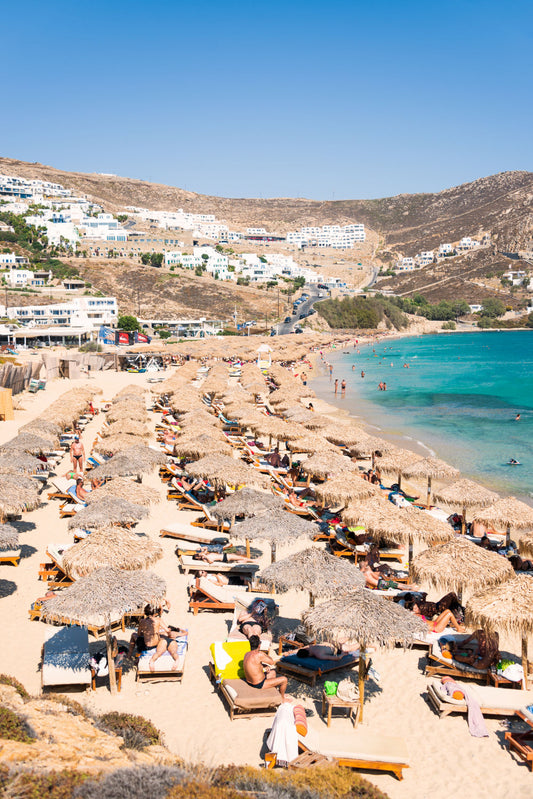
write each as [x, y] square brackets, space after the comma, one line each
[272, 553]
[247, 547]
[399, 481]
[410, 555]
[525, 664]
[311, 600]
[508, 535]
[110, 662]
[362, 669]
[463, 521]
[428, 500]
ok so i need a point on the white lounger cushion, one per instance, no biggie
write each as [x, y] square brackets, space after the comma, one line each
[166, 662]
[66, 656]
[360, 745]
[488, 696]
[188, 533]
[62, 484]
[55, 554]
[188, 562]
[225, 593]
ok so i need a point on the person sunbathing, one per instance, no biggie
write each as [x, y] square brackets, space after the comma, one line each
[81, 493]
[151, 632]
[224, 557]
[429, 609]
[214, 577]
[254, 620]
[442, 621]
[481, 650]
[375, 579]
[260, 669]
[318, 651]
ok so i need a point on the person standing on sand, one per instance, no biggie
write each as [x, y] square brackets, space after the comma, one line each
[77, 455]
[343, 388]
[336, 384]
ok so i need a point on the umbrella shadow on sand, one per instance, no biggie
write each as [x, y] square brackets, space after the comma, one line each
[26, 551]
[23, 526]
[7, 587]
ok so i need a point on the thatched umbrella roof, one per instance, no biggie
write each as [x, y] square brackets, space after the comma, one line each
[103, 597]
[370, 447]
[310, 442]
[397, 460]
[505, 608]
[459, 565]
[111, 546]
[246, 502]
[429, 468]
[465, 494]
[324, 464]
[126, 489]
[382, 519]
[345, 487]
[9, 537]
[42, 427]
[132, 461]
[118, 443]
[27, 442]
[108, 510]
[19, 462]
[275, 427]
[221, 469]
[125, 426]
[197, 417]
[123, 410]
[345, 434]
[17, 494]
[283, 528]
[200, 446]
[313, 570]
[507, 513]
[131, 389]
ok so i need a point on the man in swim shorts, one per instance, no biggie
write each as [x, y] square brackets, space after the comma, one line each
[260, 670]
[77, 455]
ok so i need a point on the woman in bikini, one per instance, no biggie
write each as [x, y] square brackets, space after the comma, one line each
[442, 621]
[224, 557]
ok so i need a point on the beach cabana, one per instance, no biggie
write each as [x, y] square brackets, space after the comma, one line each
[27, 442]
[103, 597]
[459, 565]
[396, 461]
[310, 443]
[118, 443]
[127, 427]
[110, 546]
[465, 494]
[19, 462]
[431, 468]
[107, 511]
[9, 544]
[283, 528]
[369, 619]
[200, 446]
[505, 608]
[512, 515]
[313, 570]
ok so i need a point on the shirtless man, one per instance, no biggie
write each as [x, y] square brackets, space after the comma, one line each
[77, 455]
[259, 669]
[213, 557]
[81, 493]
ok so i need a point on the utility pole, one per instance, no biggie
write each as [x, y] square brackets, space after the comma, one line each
[278, 302]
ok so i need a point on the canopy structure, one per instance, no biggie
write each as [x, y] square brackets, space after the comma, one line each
[126, 489]
[27, 442]
[313, 570]
[324, 465]
[19, 462]
[397, 461]
[280, 529]
[201, 446]
[9, 537]
[17, 494]
[110, 546]
[367, 618]
[430, 468]
[221, 470]
[465, 494]
[246, 502]
[345, 487]
[107, 511]
[511, 514]
[459, 565]
[102, 597]
[118, 443]
[505, 608]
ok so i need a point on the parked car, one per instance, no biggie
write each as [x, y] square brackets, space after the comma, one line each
[287, 320]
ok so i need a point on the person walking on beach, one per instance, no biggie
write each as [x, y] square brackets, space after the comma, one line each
[77, 455]
[336, 384]
[343, 388]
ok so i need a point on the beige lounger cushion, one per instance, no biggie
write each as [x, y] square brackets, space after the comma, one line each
[247, 698]
[189, 533]
[358, 745]
[62, 484]
[66, 656]
[225, 593]
[437, 654]
[488, 696]
[188, 562]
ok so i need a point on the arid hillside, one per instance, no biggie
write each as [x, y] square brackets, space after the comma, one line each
[501, 204]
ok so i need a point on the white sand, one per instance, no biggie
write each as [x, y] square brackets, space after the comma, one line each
[445, 760]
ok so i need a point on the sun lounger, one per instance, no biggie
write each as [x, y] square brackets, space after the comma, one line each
[10, 556]
[209, 521]
[447, 667]
[311, 669]
[225, 670]
[65, 657]
[206, 595]
[53, 572]
[241, 603]
[165, 667]
[189, 564]
[187, 532]
[521, 743]
[362, 749]
[72, 504]
[493, 701]
[60, 487]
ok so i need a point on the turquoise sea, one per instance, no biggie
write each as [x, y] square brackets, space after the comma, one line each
[458, 398]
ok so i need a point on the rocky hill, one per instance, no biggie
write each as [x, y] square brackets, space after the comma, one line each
[501, 204]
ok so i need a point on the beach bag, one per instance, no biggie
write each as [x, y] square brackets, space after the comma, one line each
[330, 687]
[348, 691]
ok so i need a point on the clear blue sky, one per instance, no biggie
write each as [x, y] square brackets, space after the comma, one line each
[339, 99]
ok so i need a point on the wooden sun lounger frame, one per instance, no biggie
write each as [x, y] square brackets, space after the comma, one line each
[310, 676]
[445, 708]
[208, 602]
[521, 743]
[348, 762]
[445, 670]
[13, 558]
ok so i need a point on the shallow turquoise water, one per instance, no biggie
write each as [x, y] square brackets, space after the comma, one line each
[459, 397]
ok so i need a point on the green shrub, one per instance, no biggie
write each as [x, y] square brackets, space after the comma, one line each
[134, 783]
[136, 731]
[52, 785]
[448, 326]
[6, 679]
[13, 728]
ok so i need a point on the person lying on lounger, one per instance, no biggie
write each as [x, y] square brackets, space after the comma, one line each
[214, 577]
[480, 650]
[442, 621]
[254, 620]
[260, 669]
[151, 633]
[375, 579]
[428, 609]
[318, 651]
[81, 492]
[224, 557]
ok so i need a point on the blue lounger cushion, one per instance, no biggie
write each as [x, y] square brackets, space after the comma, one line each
[314, 664]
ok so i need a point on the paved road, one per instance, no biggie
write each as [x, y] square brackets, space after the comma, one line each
[303, 308]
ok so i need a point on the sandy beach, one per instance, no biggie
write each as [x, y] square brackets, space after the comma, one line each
[445, 760]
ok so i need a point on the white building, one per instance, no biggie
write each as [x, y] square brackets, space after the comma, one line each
[467, 243]
[7, 259]
[516, 278]
[215, 263]
[445, 250]
[328, 236]
[16, 188]
[80, 312]
[425, 258]
[406, 264]
[103, 227]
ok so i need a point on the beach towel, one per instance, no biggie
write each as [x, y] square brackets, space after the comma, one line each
[476, 722]
[283, 738]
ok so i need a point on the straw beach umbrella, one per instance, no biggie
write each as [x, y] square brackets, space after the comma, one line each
[200, 446]
[221, 469]
[118, 443]
[345, 487]
[458, 565]
[124, 488]
[313, 570]
[281, 529]
[27, 442]
[505, 608]
[322, 465]
[127, 427]
[19, 462]
[103, 597]
[17, 494]
[247, 502]
[108, 510]
[431, 468]
[396, 461]
[368, 618]
[132, 461]
[111, 546]
[465, 494]
[310, 442]
[9, 537]
[511, 514]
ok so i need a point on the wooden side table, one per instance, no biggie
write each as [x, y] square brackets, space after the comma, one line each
[493, 678]
[329, 701]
